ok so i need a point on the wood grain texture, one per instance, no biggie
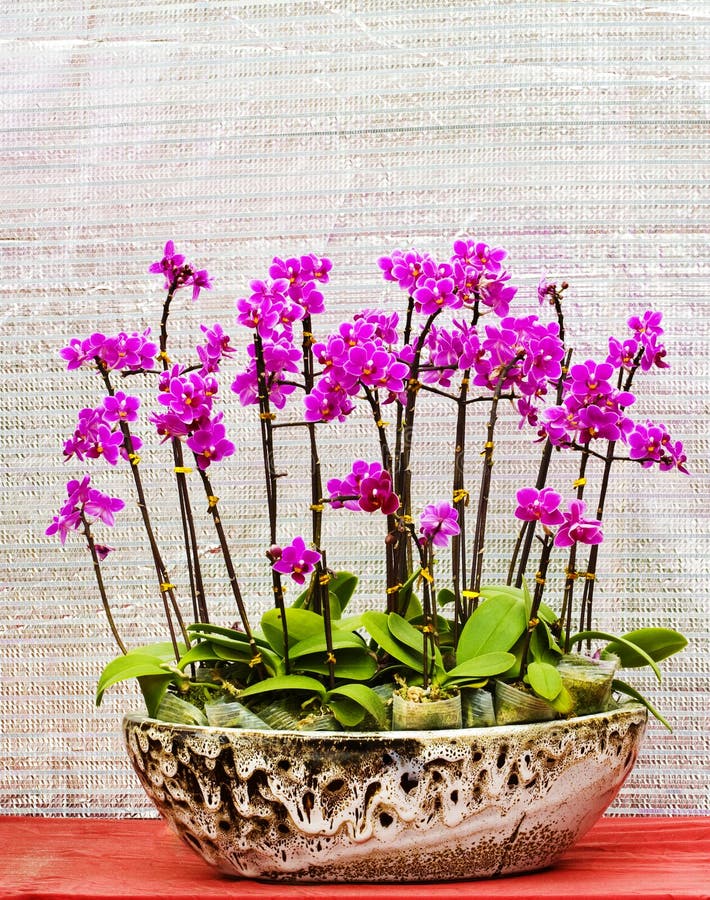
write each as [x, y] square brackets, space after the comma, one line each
[50, 859]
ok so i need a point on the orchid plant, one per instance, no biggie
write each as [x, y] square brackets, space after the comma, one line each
[425, 640]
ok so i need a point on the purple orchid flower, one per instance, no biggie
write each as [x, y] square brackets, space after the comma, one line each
[438, 522]
[296, 560]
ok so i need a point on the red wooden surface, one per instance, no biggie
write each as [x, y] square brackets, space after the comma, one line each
[140, 858]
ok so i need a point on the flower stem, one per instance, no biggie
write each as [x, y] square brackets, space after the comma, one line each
[571, 573]
[99, 579]
[197, 591]
[588, 592]
[403, 475]
[460, 502]
[391, 583]
[213, 509]
[167, 590]
[484, 494]
[266, 418]
[429, 630]
[527, 531]
[547, 544]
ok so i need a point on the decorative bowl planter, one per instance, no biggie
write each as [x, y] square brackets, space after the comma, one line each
[385, 806]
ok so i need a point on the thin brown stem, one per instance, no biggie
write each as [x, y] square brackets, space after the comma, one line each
[266, 420]
[571, 573]
[197, 591]
[528, 530]
[100, 581]
[213, 509]
[167, 589]
[547, 544]
[585, 619]
[474, 586]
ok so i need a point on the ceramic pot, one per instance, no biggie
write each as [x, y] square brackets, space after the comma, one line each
[385, 806]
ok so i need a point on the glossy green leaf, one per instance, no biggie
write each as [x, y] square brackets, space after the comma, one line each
[343, 585]
[346, 711]
[406, 599]
[363, 697]
[658, 643]
[544, 679]
[404, 632]
[154, 689]
[130, 665]
[543, 645]
[225, 637]
[495, 625]
[445, 597]
[203, 652]
[547, 614]
[230, 654]
[623, 688]
[563, 703]
[414, 607]
[621, 641]
[301, 623]
[280, 683]
[317, 643]
[484, 666]
[355, 663]
[443, 626]
[163, 650]
[377, 626]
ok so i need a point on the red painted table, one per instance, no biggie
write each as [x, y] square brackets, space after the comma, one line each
[139, 858]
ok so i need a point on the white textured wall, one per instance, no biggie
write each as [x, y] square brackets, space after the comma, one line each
[573, 133]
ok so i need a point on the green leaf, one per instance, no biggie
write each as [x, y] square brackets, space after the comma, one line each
[280, 683]
[445, 596]
[164, 650]
[444, 634]
[364, 697]
[340, 590]
[628, 645]
[563, 702]
[484, 666]
[346, 711]
[316, 643]
[336, 610]
[414, 607]
[131, 665]
[154, 688]
[543, 645]
[301, 623]
[407, 599]
[353, 663]
[404, 632]
[350, 623]
[377, 626]
[547, 614]
[225, 637]
[545, 680]
[343, 585]
[495, 625]
[623, 688]
[202, 652]
[230, 654]
[658, 643]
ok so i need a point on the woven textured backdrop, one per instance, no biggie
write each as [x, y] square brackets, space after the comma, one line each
[574, 134]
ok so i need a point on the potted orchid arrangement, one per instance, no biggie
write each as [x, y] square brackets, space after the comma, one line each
[442, 645]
